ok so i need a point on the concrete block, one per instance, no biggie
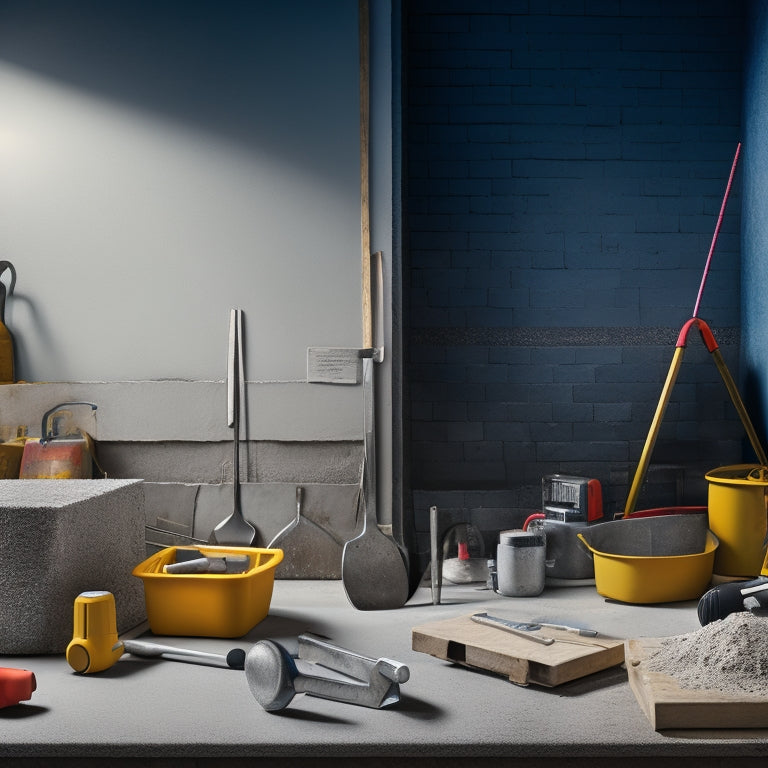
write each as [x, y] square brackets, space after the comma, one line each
[61, 538]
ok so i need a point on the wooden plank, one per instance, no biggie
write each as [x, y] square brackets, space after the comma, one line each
[523, 661]
[667, 705]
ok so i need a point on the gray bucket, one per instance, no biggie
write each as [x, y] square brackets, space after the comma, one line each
[659, 536]
[567, 557]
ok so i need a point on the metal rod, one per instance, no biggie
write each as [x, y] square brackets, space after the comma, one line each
[738, 403]
[717, 230]
[566, 628]
[508, 626]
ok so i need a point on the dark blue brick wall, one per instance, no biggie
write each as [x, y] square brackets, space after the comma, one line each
[565, 165]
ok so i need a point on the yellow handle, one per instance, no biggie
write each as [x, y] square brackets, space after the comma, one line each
[94, 645]
[653, 433]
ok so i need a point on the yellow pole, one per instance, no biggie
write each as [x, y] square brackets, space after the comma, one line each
[653, 433]
[730, 385]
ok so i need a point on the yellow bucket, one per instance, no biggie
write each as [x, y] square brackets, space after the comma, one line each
[737, 516]
[208, 604]
[656, 559]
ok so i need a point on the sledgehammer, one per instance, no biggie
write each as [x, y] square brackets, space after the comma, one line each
[95, 646]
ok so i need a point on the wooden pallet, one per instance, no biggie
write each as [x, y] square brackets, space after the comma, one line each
[667, 705]
[462, 641]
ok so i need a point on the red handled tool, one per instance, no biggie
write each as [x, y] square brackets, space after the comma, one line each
[16, 685]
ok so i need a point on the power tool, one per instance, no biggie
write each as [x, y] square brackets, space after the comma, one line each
[724, 599]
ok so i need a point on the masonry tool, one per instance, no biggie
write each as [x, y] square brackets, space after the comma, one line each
[95, 645]
[274, 677]
[235, 530]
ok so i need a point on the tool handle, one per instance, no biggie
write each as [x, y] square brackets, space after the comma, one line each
[153, 650]
[573, 630]
[741, 409]
[368, 479]
[507, 626]
[377, 298]
[653, 432]
[3, 266]
[365, 211]
[231, 363]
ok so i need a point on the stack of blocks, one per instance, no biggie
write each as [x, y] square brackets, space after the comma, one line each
[60, 538]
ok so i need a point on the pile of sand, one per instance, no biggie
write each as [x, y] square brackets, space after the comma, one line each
[728, 655]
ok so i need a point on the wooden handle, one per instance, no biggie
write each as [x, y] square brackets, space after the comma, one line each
[365, 224]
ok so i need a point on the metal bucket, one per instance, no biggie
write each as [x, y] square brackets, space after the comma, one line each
[651, 534]
[659, 558]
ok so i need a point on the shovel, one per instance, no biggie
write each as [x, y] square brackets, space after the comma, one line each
[373, 572]
[311, 551]
[373, 569]
[235, 530]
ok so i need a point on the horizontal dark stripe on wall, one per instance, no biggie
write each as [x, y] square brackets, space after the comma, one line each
[562, 337]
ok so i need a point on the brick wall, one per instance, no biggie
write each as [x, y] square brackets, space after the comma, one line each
[565, 165]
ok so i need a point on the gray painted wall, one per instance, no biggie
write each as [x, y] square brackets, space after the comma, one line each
[163, 162]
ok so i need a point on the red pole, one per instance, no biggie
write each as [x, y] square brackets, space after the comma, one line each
[717, 230]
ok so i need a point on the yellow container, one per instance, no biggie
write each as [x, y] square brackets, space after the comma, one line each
[737, 516]
[208, 604]
[61, 459]
[648, 579]
[11, 452]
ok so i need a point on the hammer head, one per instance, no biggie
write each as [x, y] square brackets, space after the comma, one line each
[94, 646]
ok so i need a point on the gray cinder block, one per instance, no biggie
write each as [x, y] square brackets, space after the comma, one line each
[59, 538]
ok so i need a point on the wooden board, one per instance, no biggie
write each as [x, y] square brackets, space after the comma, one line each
[667, 705]
[523, 661]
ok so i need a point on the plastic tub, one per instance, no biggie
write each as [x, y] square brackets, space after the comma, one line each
[652, 536]
[655, 559]
[208, 604]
